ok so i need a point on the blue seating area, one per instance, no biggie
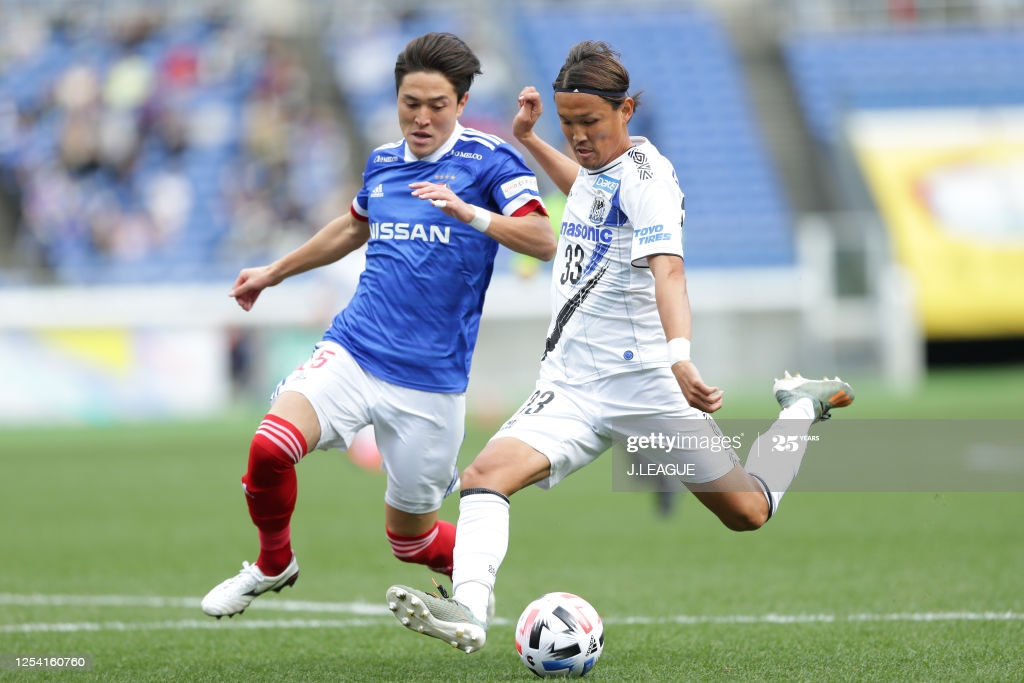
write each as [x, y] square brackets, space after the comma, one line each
[967, 67]
[199, 189]
[695, 109]
[69, 242]
[148, 149]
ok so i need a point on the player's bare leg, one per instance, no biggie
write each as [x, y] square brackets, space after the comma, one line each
[746, 497]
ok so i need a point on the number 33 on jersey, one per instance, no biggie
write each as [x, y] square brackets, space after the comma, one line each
[602, 289]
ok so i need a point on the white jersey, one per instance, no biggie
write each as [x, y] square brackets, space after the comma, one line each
[604, 316]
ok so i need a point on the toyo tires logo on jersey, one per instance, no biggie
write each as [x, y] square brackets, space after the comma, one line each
[654, 233]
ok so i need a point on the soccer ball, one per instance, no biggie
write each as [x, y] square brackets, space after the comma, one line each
[559, 634]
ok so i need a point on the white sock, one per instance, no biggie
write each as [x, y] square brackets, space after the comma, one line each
[801, 409]
[472, 594]
[481, 540]
[776, 455]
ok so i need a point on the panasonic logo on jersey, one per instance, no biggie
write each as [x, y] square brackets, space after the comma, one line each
[587, 232]
[406, 231]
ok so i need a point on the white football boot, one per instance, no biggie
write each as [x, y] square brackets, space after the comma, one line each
[232, 596]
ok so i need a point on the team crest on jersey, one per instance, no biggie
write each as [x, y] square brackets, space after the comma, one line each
[600, 208]
[605, 187]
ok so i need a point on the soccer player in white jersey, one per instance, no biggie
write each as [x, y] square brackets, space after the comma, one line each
[432, 211]
[617, 349]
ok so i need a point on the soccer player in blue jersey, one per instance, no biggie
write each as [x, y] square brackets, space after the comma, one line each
[432, 210]
[617, 351]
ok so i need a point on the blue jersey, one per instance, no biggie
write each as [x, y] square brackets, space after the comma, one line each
[414, 317]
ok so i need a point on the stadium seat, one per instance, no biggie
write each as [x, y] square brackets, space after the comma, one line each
[834, 73]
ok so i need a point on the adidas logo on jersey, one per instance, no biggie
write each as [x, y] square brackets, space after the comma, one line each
[377, 192]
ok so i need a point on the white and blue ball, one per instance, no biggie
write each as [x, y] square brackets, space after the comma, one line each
[560, 635]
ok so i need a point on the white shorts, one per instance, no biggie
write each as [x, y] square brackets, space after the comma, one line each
[573, 425]
[419, 433]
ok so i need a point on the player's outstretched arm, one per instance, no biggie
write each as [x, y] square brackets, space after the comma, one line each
[560, 168]
[335, 240]
[674, 308]
[530, 234]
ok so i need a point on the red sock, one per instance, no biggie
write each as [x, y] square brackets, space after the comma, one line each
[271, 487]
[433, 548]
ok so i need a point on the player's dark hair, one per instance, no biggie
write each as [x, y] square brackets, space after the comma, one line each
[592, 66]
[445, 53]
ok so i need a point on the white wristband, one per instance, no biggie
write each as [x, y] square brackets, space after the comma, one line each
[678, 349]
[481, 220]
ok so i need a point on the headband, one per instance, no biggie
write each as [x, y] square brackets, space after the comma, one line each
[600, 93]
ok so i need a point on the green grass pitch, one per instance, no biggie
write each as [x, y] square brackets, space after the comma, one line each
[110, 535]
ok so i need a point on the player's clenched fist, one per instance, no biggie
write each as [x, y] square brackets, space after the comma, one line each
[530, 108]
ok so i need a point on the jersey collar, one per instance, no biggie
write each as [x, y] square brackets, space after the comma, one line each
[636, 140]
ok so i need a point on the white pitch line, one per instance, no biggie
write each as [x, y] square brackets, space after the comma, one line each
[186, 625]
[363, 609]
[41, 600]
[817, 618]
[939, 616]
[249, 624]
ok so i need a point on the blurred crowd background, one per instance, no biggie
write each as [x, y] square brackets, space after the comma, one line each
[146, 142]
[864, 155]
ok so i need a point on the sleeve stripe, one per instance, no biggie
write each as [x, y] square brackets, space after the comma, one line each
[525, 204]
[358, 212]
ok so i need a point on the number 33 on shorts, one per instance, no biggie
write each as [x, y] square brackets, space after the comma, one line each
[533, 405]
[536, 402]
